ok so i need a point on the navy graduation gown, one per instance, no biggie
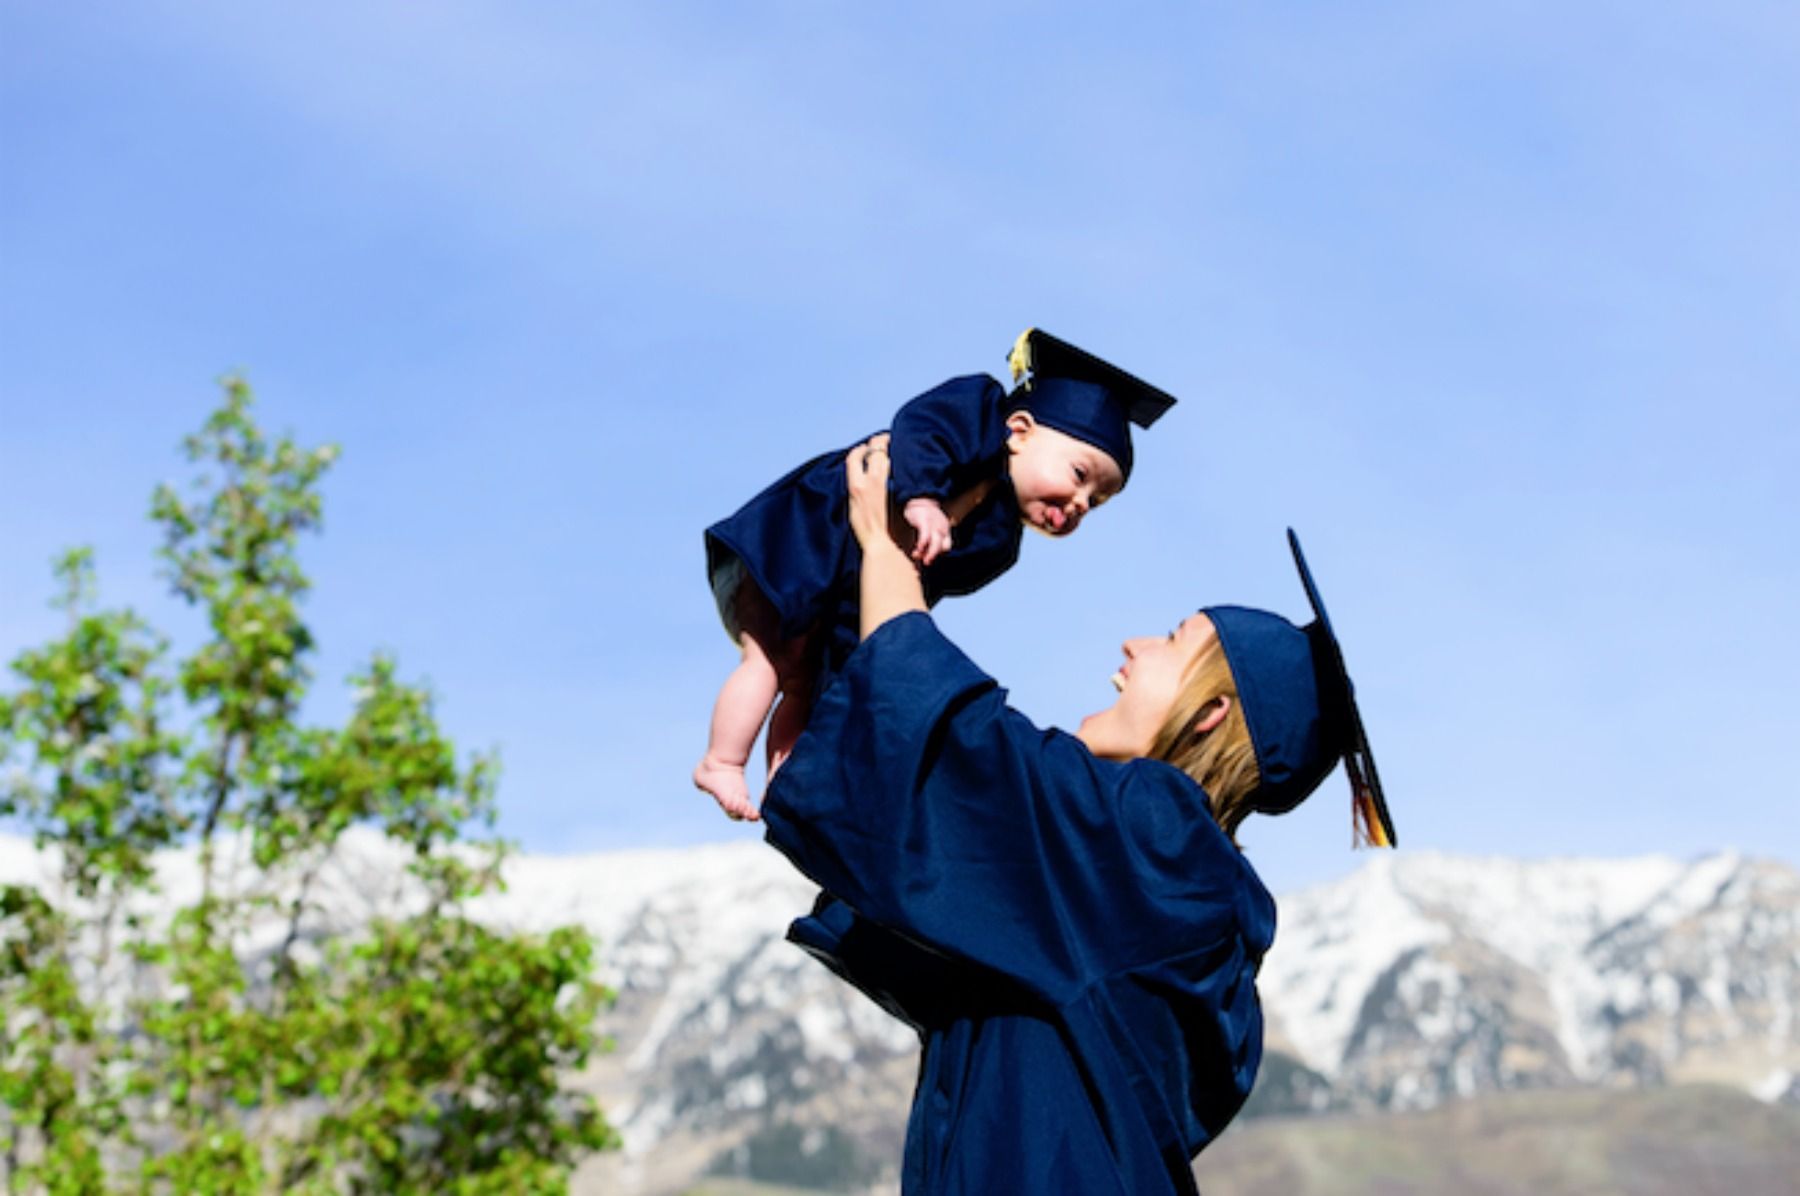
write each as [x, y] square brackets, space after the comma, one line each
[1075, 939]
[794, 538]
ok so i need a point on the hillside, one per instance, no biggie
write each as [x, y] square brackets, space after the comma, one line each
[1680, 1141]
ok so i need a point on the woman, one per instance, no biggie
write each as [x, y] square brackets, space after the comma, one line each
[1065, 919]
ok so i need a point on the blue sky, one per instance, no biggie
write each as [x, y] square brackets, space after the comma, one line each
[1496, 302]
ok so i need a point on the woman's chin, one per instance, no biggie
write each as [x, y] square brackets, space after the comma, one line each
[1092, 730]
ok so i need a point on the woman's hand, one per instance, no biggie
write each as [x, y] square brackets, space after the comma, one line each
[890, 581]
[866, 470]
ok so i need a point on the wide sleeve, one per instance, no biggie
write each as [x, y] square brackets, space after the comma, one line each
[940, 437]
[922, 800]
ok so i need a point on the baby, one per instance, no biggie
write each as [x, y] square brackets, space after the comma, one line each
[972, 466]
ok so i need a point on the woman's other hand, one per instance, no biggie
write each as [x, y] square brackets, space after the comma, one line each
[866, 469]
[890, 583]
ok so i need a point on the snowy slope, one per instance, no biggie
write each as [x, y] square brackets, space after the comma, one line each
[1426, 976]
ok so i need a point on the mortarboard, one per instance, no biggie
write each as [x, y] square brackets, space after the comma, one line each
[1300, 707]
[1077, 393]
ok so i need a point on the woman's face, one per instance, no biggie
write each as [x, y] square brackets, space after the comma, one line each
[1155, 669]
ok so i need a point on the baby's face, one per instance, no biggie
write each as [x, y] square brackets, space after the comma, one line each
[1058, 479]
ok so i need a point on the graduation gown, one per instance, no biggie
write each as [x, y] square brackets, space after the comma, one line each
[1075, 939]
[794, 541]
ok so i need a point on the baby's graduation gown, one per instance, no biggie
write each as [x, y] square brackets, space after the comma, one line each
[794, 538]
[1075, 939]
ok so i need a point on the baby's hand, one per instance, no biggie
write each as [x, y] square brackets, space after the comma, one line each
[933, 528]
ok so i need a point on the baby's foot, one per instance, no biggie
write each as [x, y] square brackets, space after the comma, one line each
[725, 781]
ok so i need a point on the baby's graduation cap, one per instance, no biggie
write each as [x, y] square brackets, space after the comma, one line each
[1301, 710]
[1077, 393]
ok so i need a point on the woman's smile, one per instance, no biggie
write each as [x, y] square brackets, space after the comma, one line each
[1147, 680]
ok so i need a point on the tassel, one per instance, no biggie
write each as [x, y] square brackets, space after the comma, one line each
[1366, 829]
[1020, 358]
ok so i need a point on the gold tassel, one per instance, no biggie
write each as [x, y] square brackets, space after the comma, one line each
[1020, 357]
[1365, 820]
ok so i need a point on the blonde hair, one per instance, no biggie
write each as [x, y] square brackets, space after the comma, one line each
[1221, 761]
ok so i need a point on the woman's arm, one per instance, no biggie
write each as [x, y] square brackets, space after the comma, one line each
[890, 580]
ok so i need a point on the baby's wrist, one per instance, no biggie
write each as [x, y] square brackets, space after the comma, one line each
[924, 502]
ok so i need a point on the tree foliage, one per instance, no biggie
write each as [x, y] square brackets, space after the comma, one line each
[240, 1037]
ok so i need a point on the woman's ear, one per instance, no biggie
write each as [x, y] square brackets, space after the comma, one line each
[1211, 715]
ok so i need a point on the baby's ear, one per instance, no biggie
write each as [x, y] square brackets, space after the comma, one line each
[1020, 425]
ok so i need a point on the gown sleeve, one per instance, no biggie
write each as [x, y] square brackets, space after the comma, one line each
[932, 808]
[940, 437]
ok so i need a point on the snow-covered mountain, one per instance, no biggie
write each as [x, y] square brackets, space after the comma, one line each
[1425, 976]
[1418, 978]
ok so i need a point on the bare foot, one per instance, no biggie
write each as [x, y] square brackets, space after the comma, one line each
[726, 784]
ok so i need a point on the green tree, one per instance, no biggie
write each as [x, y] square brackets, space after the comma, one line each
[237, 1039]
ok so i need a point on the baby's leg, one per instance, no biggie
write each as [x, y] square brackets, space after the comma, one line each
[738, 714]
[789, 719]
[797, 673]
[743, 702]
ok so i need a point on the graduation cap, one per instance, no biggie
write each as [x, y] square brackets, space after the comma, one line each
[1077, 393]
[1301, 709]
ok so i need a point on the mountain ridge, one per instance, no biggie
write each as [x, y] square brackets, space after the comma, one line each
[1409, 983]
